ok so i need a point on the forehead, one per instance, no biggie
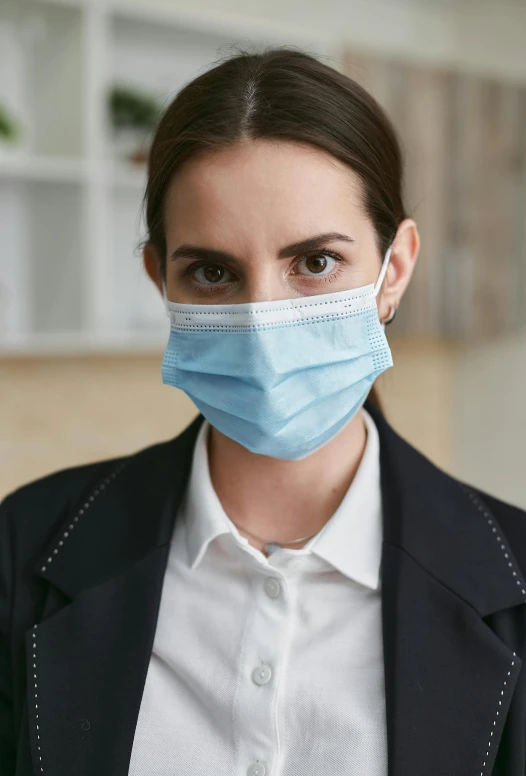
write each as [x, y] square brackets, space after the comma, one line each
[261, 185]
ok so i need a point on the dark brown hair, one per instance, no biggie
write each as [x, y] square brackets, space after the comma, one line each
[284, 94]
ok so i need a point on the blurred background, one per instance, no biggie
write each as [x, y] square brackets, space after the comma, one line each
[82, 329]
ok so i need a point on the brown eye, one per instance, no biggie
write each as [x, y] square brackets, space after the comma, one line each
[320, 264]
[316, 263]
[209, 274]
[213, 273]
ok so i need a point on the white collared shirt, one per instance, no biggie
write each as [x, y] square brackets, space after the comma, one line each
[268, 666]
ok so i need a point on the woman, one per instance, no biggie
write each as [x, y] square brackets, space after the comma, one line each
[287, 587]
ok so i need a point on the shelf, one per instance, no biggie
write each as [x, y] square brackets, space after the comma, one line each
[40, 168]
[20, 166]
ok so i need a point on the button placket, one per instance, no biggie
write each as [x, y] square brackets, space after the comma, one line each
[256, 703]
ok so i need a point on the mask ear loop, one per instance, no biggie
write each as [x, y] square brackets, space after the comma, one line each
[383, 270]
[165, 299]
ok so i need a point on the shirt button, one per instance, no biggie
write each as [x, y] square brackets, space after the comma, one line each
[272, 587]
[261, 675]
[256, 769]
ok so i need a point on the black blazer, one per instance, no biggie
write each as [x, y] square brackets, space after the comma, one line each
[83, 556]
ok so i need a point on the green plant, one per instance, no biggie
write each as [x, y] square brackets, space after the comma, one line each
[132, 108]
[9, 129]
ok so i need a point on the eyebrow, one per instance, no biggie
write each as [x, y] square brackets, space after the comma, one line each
[186, 251]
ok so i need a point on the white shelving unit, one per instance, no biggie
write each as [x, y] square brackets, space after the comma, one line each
[71, 277]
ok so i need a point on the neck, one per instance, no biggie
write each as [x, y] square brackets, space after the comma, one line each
[284, 500]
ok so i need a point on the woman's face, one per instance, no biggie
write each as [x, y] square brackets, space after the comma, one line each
[269, 220]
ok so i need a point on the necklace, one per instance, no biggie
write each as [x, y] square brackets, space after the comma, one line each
[271, 547]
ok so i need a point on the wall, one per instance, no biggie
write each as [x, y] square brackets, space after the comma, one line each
[489, 418]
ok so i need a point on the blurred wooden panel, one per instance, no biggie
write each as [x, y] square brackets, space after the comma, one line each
[463, 138]
[463, 173]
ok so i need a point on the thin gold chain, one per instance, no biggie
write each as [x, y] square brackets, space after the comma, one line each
[294, 541]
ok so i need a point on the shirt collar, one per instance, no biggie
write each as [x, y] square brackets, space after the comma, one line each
[351, 540]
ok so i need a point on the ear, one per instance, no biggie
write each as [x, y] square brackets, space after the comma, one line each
[152, 265]
[406, 246]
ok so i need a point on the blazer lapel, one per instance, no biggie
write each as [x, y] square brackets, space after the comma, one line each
[88, 661]
[445, 567]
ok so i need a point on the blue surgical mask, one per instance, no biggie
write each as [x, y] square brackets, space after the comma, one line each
[281, 378]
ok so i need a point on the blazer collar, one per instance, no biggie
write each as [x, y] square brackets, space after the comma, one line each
[429, 515]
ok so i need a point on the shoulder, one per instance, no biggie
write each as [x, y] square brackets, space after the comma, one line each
[31, 512]
[429, 486]
[511, 519]
[501, 516]
[58, 484]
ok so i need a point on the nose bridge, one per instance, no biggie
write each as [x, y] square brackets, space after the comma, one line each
[265, 281]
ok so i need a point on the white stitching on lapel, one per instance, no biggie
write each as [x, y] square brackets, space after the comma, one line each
[36, 694]
[86, 506]
[487, 514]
[495, 720]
